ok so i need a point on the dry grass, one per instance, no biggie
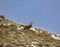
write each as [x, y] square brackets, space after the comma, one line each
[11, 37]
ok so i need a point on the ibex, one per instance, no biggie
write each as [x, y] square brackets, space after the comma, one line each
[28, 26]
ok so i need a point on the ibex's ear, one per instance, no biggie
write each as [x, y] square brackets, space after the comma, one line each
[31, 22]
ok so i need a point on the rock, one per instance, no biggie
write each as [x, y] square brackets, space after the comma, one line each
[13, 35]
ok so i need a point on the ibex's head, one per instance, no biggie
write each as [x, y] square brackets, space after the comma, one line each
[30, 24]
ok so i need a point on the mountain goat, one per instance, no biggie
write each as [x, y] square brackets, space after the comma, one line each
[28, 26]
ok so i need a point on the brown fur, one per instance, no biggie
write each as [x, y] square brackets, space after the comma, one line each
[28, 26]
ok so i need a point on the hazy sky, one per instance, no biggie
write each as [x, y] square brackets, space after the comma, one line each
[43, 13]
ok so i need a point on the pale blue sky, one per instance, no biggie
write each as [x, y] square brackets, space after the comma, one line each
[43, 13]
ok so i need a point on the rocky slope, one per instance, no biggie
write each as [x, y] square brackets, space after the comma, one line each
[14, 35]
